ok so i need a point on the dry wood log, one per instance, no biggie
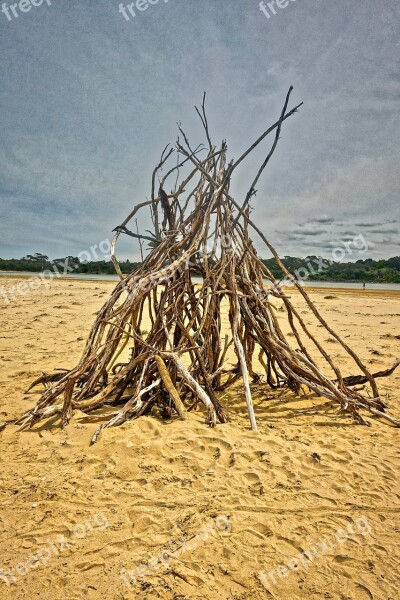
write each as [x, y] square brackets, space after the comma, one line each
[171, 389]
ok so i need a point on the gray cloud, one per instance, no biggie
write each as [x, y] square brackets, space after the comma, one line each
[393, 230]
[303, 233]
[92, 99]
[323, 220]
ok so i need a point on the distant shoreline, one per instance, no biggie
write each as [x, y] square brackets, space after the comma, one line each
[320, 284]
[312, 269]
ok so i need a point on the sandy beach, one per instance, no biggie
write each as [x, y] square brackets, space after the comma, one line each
[307, 507]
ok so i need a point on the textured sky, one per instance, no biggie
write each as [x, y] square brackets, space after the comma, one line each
[89, 99]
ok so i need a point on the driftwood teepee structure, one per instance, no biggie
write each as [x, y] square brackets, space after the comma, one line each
[181, 361]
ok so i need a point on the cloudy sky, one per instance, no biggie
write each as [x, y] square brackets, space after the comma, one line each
[89, 99]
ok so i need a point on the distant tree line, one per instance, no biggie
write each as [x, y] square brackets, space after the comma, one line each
[37, 263]
[312, 268]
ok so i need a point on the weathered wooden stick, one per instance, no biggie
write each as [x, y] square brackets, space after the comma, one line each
[173, 392]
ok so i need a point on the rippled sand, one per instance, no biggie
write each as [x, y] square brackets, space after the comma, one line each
[308, 479]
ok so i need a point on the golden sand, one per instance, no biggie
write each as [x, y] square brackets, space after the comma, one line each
[73, 516]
